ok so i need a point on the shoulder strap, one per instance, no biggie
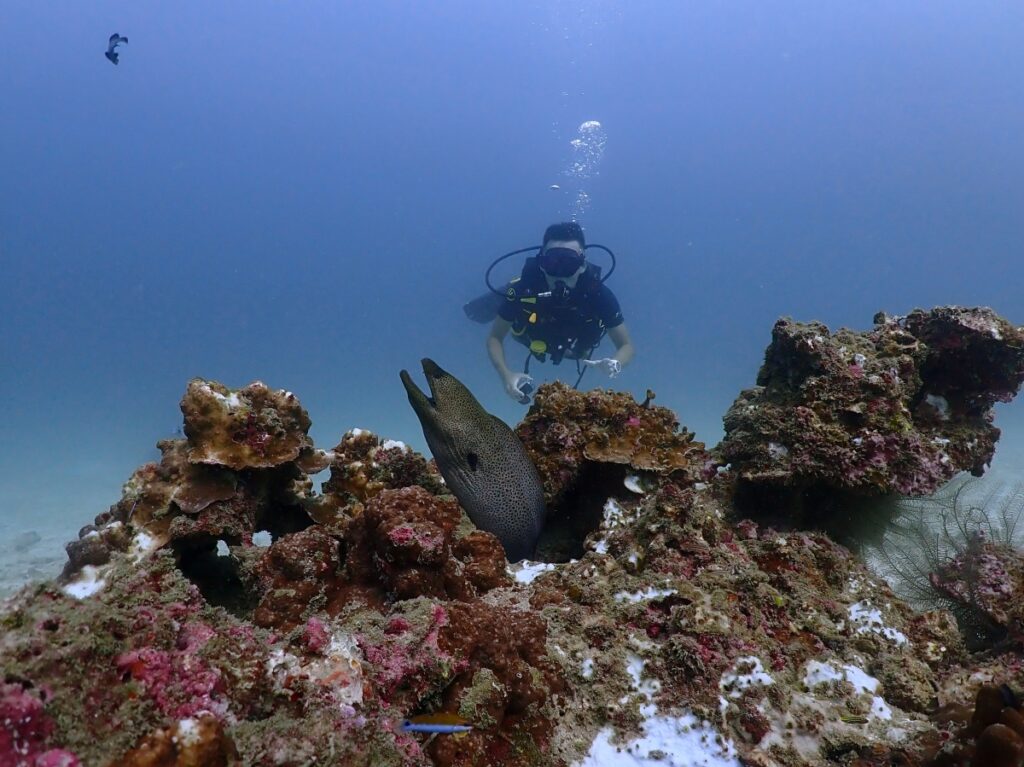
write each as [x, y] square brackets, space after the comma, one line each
[590, 280]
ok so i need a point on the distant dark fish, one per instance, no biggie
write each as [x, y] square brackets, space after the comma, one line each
[115, 40]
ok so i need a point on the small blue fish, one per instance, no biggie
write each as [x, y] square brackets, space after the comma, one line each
[438, 724]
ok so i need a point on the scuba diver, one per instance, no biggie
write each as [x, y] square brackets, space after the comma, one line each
[558, 307]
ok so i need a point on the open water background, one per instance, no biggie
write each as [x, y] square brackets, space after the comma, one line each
[307, 192]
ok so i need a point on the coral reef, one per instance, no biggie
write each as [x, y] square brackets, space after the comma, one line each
[983, 587]
[232, 615]
[900, 408]
[361, 466]
[566, 431]
[253, 427]
[956, 550]
[226, 611]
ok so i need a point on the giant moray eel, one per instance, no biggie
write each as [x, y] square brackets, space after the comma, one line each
[482, 461]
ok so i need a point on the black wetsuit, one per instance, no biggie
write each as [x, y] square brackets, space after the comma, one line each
[571, 325]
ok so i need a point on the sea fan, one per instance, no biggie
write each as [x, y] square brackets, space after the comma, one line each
[926, 534]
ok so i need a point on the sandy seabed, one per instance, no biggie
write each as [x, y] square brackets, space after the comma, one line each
[32, 552]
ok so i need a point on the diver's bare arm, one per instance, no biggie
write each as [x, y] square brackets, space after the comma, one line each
[496, 346]
[624, 349]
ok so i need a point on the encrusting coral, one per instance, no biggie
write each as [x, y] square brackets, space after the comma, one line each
[224, 612]
[900, 408]
[565, 432]
[252, 428]
[983, 587]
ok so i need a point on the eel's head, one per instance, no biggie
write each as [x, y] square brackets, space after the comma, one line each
[439, 382]
[451, 408]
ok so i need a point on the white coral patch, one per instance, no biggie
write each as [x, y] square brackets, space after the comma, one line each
[820, 673]
[527, 571]
[339, 669]
[639, 596]
[632, 483]
[188, 733]
[880, 709]
[635, 669]
[668, 741]
[587, 670]
[143, 544]
[940, 403]
[869, 619]
[393, 443]
[746, 672]
[230, 401]
[615, 516]
[262, 539]
[89, 581]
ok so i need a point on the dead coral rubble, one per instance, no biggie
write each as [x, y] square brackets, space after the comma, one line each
[900, 408]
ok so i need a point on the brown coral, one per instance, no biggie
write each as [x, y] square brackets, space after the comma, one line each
[406, 543]
[567, 429]
[362, 465]
[294, 571]
[199, 742]
[253, 427]
[504, 657]
[157, 492]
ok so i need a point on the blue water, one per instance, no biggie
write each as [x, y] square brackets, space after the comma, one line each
[306, 193]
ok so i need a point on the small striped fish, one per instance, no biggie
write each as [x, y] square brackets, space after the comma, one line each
[441, 723]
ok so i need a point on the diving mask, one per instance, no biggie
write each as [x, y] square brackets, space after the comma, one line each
[560, 262]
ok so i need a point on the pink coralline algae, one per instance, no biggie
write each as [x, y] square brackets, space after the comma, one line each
[315, 635]
[984, 586]
[179, 681]
[25, 730]
[900, 408]
[409, 661]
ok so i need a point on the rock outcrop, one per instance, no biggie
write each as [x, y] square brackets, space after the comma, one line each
[898, 409]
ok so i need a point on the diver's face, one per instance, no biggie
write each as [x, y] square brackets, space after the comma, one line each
[562, 260]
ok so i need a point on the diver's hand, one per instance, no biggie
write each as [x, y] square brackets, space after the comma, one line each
[518, 386]
[610, 366]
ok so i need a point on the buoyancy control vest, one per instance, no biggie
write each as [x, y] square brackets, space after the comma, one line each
[555, 322]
